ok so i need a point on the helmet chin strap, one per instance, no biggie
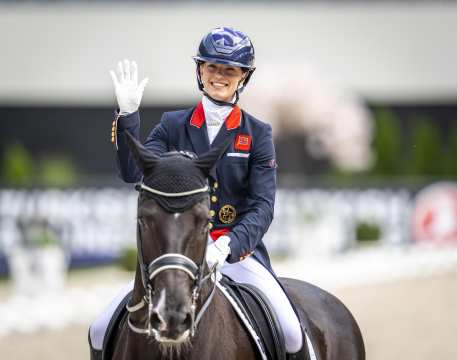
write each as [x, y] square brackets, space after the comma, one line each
[222, 103]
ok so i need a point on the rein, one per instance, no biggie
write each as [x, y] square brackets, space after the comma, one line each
[171, 261]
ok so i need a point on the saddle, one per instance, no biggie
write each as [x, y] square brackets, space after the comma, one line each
[259, 319]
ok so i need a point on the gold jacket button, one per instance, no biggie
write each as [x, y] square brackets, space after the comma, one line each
[212, 213]
[213, 198]
[210, 226]
[215, 185]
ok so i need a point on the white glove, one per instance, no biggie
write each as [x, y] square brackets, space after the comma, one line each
[217, 252]
[128, 92]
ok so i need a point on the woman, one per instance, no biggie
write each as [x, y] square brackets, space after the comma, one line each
[244, 183]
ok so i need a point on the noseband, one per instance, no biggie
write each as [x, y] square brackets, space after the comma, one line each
[171, 261]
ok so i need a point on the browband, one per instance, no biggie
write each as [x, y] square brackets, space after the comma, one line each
[185, 193]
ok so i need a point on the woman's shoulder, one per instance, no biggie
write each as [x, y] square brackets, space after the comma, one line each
[254, 122]
[177, 114]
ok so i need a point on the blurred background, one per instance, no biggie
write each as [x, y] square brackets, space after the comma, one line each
[362, 97]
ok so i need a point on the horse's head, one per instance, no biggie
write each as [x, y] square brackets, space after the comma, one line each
[173, 216]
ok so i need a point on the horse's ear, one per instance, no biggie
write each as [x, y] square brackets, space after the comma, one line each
[208, 160]
[145, 159]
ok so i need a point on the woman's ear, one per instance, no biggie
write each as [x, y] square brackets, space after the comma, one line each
[244, 76]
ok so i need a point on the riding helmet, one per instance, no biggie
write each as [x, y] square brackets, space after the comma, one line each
[225, 45]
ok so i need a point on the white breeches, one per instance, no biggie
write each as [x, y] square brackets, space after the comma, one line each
[248, 271]
[99, 326]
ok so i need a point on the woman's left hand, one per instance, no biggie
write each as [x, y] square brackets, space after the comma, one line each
[217, 252]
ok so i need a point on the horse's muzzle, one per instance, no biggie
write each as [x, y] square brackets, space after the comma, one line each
[171, 326]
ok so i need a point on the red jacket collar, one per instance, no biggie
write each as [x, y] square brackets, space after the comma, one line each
[232, 122]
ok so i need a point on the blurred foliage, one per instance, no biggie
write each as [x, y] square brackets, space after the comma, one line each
[387, 143]
[128, 259]
[57, 171]
[450, 159]
[20, 169]
[45, 239]
[422, 151]
[426, 149]
[37, 232]
[18, 166]
[367, 232]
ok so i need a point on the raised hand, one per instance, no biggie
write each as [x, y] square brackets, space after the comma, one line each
[128, 91]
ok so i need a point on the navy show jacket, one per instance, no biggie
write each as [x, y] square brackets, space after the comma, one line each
[244, 185]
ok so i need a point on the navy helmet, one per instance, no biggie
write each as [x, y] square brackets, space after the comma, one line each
[227, 46]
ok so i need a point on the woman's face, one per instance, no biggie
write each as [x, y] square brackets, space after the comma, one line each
[221, 81]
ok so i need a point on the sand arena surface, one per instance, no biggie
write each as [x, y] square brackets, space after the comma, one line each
[412, 318]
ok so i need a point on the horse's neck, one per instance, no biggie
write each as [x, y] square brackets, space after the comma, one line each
[220, 335]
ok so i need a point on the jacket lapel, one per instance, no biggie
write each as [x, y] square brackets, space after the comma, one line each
[196, 128]
[198, 134]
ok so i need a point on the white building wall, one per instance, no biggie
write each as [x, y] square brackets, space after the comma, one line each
[61, 54]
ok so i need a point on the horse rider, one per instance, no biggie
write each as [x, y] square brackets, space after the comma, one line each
[243, 186]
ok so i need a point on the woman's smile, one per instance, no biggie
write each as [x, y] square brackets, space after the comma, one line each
[221, 81]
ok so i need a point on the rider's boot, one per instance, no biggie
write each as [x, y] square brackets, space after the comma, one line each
[303, 353]
[94, 353]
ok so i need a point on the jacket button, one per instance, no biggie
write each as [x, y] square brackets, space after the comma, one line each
[215, 185]
[212, 213]
[210, 226]
[213, 198]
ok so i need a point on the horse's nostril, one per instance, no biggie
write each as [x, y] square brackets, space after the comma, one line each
[188, 320]
[157, 322]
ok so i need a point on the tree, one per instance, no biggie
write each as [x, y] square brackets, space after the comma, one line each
[451, 153]
[387, 143]
[426, 151]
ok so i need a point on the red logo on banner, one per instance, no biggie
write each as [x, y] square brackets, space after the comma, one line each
[435, 214]
[243, 142]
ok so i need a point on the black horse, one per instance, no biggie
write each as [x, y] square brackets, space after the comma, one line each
[176, 312]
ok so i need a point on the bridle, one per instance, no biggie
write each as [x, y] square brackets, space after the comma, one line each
[171, 261]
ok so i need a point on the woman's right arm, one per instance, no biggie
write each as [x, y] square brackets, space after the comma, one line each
[128, 94]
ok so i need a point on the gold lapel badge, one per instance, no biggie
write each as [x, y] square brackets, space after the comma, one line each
[227, 214]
